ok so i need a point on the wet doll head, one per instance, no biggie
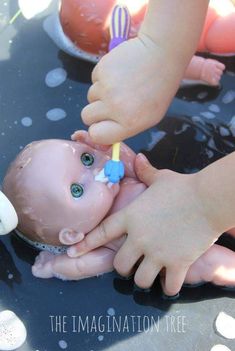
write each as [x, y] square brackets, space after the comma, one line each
[52, 187]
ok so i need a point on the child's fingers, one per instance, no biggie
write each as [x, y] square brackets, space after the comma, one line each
[111, 228]
[94, 112]
[146, 273]
[95, 74]
[126, 258]
[174, 280]
[93, 92]
[106, 132]
[144, 170]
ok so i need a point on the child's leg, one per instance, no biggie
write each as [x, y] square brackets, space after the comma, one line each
[96, 262]
[216, 265]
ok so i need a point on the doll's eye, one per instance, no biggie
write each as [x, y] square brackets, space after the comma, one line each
[76, 190]
[87, 159]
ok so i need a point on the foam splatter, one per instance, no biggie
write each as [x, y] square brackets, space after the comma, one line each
[155, 138]
[56, 114]
[208, 114]
[224, 131]
[232, 125]
[100, 177]
[228, 97]
[12, 331]
[225, 325]
[31, 8]
[63, 344]
[197, 119]
[220, 347]
[111, 311]
[26, 121]
[55, 77]
[214, 108]
[202, 95]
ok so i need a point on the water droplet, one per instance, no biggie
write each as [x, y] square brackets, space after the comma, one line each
[55, 77]
[26, 121]
[100, 337]
[10, 276]
[56, 114]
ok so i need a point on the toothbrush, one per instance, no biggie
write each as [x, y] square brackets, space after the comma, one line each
[119, 31]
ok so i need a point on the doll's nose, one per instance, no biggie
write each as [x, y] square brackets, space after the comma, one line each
[8, 216]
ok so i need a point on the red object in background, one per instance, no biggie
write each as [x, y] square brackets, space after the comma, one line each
[86, 23]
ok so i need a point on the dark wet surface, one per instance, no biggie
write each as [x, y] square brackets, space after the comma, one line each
[185, 141]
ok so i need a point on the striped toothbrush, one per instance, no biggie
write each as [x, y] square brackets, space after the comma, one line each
[119, 31]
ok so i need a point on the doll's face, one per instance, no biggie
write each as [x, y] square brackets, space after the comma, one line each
[52, 187]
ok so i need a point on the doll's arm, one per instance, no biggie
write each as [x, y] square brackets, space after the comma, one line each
[96, 262]
[216, 265]
[206, 70]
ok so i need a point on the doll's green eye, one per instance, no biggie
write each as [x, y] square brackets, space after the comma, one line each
[87, 159]
[76, 190]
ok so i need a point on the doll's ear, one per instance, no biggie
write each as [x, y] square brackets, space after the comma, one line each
[68, 236]
[8, 216]
[83, 137]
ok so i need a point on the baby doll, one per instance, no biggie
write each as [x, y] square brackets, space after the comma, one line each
[83, 29]
[59, 196]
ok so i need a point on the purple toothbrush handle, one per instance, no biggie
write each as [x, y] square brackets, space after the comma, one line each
[120, 26]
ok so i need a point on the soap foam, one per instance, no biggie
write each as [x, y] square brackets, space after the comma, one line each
[100, 177]
[12, 331]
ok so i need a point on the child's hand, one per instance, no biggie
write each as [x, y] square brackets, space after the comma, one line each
[132, 87]
[167, 227]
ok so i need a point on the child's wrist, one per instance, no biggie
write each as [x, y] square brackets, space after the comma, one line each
[163, 52]
[212, 203]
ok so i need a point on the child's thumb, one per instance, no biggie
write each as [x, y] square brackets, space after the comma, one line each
[144, 170]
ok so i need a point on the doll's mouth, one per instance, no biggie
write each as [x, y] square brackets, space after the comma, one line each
[100, 177]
